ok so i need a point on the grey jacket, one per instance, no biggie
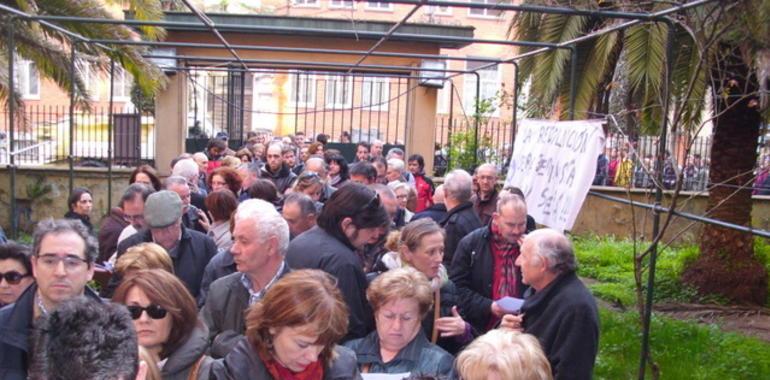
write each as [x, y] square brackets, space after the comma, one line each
[225, 310]
[179, 364]
[244, 363]
[420, 357]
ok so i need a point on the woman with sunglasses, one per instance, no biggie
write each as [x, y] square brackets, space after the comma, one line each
[166, 322]
[15, 272]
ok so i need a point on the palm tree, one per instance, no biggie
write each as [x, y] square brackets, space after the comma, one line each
[716, 49]
[49, 49]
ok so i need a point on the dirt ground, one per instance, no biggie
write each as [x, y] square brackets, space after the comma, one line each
[750, 321]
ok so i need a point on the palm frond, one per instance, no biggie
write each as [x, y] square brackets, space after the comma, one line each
[145, 10]
[646, 46]
[595, 69]
[550, 67]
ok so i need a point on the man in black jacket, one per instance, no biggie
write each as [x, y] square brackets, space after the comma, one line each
[63, 255]
[276, 170]
[483, 268]
[189, 250]
[561, 312]
[261, 238]
[461, 219]
[352, 218]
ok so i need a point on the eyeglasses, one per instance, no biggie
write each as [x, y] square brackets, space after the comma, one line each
[153, 311]
[13, 277]
[71, 262]
[131, 218]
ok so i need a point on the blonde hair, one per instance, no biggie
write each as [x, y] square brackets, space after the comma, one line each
[512, 355]
[153, 373]
[412, 234]
[144, 256]
[401, 283]
[231, 161]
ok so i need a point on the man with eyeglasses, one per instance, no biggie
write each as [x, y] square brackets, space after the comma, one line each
[63, 256]
[128, 217]
[484, 267]
[352, 218]
[485, 199]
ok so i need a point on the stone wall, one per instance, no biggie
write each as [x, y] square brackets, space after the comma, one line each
[54, 203]
[600, 216]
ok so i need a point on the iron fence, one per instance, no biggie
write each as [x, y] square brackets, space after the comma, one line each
[42, 136]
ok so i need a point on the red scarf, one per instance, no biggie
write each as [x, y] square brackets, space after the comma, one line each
[314, 371]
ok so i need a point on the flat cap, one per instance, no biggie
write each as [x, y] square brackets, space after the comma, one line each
[162, 209]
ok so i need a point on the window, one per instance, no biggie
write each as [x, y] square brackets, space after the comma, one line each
[489, 85]
[302, 93]
[380, 6]
[305, 3]
[487, 12]
[122, 84]
[433, 10]
[341, 4]
[27, 79]
[375, 93]
[90, 78]
[337, 90]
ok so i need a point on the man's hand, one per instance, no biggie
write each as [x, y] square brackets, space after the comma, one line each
[512, 322]
[203, 220]
[451, 326]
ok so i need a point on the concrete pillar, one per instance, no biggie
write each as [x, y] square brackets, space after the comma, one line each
[421, 123]
[170, 122]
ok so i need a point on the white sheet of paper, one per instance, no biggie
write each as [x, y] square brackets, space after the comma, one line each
[385, 376]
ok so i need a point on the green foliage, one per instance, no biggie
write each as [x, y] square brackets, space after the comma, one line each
[610, 262]
[463, 144]
[708, 352]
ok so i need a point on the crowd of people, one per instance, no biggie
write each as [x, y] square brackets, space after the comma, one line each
[282, 260]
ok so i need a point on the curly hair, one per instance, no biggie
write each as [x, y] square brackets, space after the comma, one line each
[229, 175]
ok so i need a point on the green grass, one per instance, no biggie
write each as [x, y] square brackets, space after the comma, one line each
[610, 262]
[682, 350]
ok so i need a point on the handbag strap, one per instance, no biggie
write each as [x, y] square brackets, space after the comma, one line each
[196, 368]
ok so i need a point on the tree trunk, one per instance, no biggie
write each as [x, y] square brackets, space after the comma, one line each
[727, 265]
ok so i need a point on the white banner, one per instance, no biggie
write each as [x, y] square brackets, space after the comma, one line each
[554, 163]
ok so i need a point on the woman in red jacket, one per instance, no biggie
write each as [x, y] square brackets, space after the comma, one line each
[423, 184]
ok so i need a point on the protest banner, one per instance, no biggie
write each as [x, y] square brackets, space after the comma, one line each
[554, 163]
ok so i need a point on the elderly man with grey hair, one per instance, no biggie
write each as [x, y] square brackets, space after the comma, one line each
[261, 239]
[317, 165]
[485, 199]
[190, 250]
[188, 169]
[560, 312]
[192, 217]
[460, 219]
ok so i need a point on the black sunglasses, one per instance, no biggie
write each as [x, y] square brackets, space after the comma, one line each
[153, 311]
[13, 277]
[374, 202]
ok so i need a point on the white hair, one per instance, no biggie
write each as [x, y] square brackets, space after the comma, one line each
[186, 168]
[458, 185]
[553, 246]
[397, 164]
[395, 185]
[267, 220]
